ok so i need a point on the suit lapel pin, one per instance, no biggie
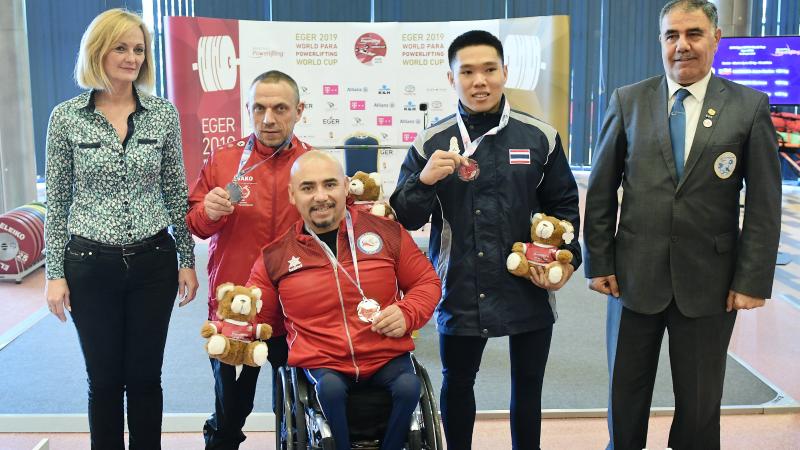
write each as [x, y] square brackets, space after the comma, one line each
[707, 123]
[712, 112]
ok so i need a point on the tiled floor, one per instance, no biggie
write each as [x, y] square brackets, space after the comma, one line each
[765, 339]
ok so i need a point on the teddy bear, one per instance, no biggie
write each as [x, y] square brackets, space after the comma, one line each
[366, 191]
[547, 235]
[236, 338]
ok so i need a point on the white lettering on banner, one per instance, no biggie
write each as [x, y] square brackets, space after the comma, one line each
[213, 125]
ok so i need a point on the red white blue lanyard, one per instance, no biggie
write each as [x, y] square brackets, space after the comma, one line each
[471, 146]
[248, 149]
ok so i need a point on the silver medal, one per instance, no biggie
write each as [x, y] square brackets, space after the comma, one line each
[234, 191]
[368, 310]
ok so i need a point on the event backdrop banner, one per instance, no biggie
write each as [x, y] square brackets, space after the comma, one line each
[385, 80]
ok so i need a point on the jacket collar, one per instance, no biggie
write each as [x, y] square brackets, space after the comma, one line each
[143, 99]
[489, 118]
[714, 98]
[265, 151]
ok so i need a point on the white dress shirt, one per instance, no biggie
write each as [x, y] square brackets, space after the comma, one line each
[693, 104]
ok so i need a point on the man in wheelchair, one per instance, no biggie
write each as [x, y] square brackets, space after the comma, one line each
[349, 287]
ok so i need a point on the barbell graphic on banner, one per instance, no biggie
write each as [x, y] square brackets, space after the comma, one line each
[216, 64]
[524, 58]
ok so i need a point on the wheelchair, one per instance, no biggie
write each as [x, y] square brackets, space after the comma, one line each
[300, 425]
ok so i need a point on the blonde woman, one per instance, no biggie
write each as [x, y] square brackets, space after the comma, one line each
[115, 185]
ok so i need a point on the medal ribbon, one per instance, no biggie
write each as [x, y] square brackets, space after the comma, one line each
[471, 146]
[332, 257]
[248, 149]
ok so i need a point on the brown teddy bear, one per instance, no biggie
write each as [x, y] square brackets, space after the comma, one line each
[366, 191]
[547, 235]
[235, 338]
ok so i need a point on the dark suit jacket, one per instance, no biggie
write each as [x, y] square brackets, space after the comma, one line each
[682, 239]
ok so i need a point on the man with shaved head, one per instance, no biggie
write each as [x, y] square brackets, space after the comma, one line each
[349, 287]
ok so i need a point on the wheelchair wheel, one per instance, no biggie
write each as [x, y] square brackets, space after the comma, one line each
[431, 426]
[414, 440]
[284, 423]
[327, 444]
[300, 399]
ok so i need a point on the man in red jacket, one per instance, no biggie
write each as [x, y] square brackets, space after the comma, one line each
[349, 287]
[240, 202]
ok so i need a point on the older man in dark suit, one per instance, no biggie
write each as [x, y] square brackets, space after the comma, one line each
[681, 146]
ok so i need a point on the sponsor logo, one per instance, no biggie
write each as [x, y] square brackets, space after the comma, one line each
[357, 89]
[358, 105]
[382, 105]
[370, 48]
[264, 52]
[294, 263]
[410, 106]
[409, 136]
[436, 104]
[410, 89]
[410, 121]
[357, 121]
[245, 192]
[330, 89]
[384, 90]
[330, 121]
[384, 121]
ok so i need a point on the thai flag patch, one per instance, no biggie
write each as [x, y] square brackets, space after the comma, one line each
[519, 156]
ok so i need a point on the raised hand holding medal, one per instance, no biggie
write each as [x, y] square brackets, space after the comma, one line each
[233, 188]
[234, 192]
[470, 171]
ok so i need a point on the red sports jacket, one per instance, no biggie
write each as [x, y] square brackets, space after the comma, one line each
[263, 215]
[300, 288]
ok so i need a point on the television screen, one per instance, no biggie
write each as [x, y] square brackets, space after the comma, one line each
[770, 64]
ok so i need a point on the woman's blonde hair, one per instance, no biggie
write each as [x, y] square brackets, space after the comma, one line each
[102, 34]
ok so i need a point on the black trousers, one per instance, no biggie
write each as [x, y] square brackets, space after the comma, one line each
[461, 359]
[697, 353]
[234, 398]
[121, 306]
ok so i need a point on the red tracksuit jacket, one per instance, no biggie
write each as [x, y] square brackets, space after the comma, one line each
[300, 288]
[263, 215]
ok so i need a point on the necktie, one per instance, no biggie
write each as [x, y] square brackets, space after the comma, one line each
[677, 130]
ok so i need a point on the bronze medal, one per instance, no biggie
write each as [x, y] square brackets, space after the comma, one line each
[470, 171]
